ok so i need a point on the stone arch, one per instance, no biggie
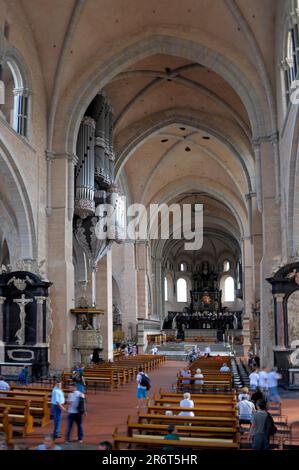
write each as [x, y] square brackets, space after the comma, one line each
[148, 43]
[293, 195]
[18, 210]
[182, 117]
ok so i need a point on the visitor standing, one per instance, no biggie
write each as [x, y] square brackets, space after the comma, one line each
[273, 378]
[143, 386]
[76, 410]
[254, 380]
[57, 402]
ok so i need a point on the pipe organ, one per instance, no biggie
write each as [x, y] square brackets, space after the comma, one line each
[84, 171]
[94, 171]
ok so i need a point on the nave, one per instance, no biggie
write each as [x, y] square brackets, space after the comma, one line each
[108, 410]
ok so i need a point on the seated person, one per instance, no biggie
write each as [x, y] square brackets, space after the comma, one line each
[186, 403]
[246, 409]
[224, 368]
[257, 395]
[171, 436]
[185, 373]
[244, 393]
[199, 376]
[49, 443]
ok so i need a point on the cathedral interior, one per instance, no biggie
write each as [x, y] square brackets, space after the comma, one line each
[136, 103]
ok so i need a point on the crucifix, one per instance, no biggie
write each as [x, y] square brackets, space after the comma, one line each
[22, 302]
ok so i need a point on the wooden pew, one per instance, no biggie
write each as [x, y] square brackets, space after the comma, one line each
[191, 431]
[18, 413]
[106, 380]
[5, 425]
[39, 404]
[153, 441]
[231, 393]
[204, 420]
[209, 410]
[214, 400]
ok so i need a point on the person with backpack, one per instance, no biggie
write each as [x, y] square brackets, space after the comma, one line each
[78, 378]
[143, 386]
[262, 427]
[76, 410]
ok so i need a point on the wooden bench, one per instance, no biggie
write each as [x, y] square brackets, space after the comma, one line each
[214, 400]
[231, 393]
[210, 410]
[199, 431]
[39, 404]
[107, 380]
[5, 425]
[18, 413]
[153, 441]
[204, 420]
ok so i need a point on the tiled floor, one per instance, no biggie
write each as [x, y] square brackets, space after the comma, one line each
[108, 410]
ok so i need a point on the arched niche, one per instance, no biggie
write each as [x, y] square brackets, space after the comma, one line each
[293, 316]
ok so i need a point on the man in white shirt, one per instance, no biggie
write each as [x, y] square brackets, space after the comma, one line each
[263, 380]
[74, 415]
[273, 378]
[254, 380]
[186, 403]
[224, 368]
[246, 409]
[3, 385]
[57, 401]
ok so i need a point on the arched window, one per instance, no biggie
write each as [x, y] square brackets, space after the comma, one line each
[15, 105]
[229, 289]
[183, 267]
[165, 289]
[226, 265]
[291, 60]
[181, 288]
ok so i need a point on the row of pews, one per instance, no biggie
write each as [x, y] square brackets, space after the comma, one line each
[23, 408]
[111, 375]
[214, 424]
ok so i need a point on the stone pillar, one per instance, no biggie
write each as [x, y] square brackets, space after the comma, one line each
[2, 352]
[142, 287]
[61, 268]
[279, 321]
[248, 292]
[271, 225]
[39, 320]
[123, 256]
[104, 301]
[2, 300]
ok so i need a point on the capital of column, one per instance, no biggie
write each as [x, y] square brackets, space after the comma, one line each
[250, 195]
[51, 155]
[279, 297]
[40, 299]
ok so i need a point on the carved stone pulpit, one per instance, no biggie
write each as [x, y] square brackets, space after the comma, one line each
[86, 336]
[25, 322]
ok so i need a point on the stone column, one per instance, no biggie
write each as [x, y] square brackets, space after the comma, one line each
[39, 320]
[279, 321]
[2, 352]
[142, 287]
[123, 259]
[248, 291]
[61, 268]
[104, 301]
[2, 300]
[271, 225]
